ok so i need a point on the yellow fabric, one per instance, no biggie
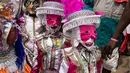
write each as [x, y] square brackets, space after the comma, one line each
[1, 6]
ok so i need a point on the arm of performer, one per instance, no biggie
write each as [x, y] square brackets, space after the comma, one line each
[124, 22]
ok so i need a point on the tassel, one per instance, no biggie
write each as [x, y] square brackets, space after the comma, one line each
[19, 50]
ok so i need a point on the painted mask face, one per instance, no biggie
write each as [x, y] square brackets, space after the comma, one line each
[32, 5]
[88, 35]
[54, 21]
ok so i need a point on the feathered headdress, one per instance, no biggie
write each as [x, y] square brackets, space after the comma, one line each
[71, 6]
[76, 16]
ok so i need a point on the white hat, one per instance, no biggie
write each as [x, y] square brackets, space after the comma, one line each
[50, 7]
[78, 18]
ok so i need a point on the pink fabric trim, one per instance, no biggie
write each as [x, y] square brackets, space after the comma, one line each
[99, 13]
[72, 68]
[99, 65]
[120, 1]
[38, 68]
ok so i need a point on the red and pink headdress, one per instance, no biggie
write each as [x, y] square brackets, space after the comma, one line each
[76, 16]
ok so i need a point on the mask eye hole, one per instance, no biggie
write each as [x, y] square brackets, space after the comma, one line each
[95, 32]
[58, 18]
[49, 19]
[86, 32]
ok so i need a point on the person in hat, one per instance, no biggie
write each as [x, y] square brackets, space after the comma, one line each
[111, 11]
[28, 24]
[81, 26]
[52, 43]
[29, 28]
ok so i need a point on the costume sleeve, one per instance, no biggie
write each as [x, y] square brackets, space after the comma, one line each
[97, 53]
[124, 21]
[64, 64]
[41, 45]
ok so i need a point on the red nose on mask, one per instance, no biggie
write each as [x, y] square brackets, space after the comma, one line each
[94, 36]
[54, 23]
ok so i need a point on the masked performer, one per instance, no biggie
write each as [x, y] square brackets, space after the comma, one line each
[54, 41]
[29, 28]
[81, 27]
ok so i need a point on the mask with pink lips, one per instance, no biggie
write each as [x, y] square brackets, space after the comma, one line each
[53, 22]
[88, 35]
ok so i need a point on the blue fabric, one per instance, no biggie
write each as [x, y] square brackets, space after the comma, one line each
[19, 50]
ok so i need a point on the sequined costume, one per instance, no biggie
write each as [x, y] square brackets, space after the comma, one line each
[11, 59]
[81, 26]
[52, 44]
[30, 29]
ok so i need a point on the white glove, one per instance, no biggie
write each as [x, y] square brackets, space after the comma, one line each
[112, 63]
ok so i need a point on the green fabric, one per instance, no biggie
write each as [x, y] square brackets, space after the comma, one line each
[89, 4]
[105, 31]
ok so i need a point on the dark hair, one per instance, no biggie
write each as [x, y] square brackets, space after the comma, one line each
[36, 4]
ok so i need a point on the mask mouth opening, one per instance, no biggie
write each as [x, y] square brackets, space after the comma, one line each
[89, 44]
[54, 27]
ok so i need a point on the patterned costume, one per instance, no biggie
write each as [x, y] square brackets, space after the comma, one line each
[52, 44]
[29, 25]
[12, 51]
[111, 11]
[80, 26]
